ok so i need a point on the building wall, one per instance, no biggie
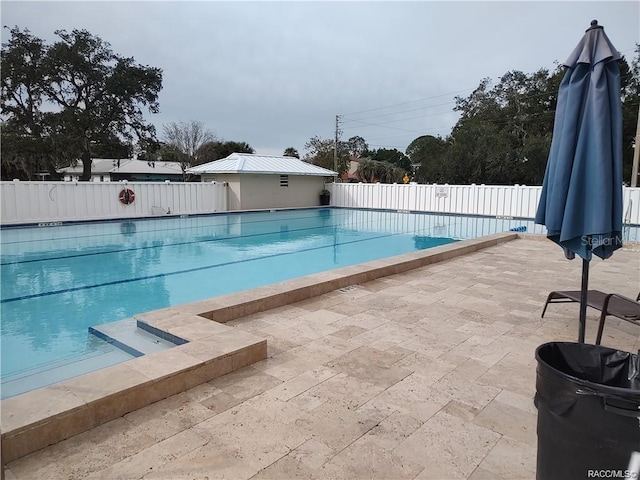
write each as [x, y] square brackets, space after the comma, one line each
[257, 191]
[265, 191]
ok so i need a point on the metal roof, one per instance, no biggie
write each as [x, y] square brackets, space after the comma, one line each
[264, 164]
[125, 165]
[141, 166]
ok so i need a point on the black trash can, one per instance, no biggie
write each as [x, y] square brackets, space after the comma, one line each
[588, 400]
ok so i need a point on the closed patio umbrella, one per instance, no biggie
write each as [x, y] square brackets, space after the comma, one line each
[581, 200]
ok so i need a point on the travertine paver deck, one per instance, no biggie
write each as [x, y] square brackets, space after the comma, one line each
[425, 374]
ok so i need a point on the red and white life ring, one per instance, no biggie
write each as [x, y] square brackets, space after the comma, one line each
[127, 196]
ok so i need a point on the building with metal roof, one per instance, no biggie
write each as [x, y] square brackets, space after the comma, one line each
[262, 181]
[261, 164]
[115, 170]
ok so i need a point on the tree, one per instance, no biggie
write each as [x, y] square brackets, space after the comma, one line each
[366, 171]
[372, 171]
[25, 144]
[211, 151]
[357, 147]
[74, 94]
[393, 157]
[321, 152]
[22, 157]
[503, 135]
[187, 138]
[167, 152]
[291, 152]
[630, 83]
[427, 157]
[111, 147]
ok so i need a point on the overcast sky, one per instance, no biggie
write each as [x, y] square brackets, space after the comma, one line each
[274, 74]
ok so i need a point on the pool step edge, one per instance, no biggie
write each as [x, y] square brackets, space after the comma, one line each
[46, 416]
[133, 338]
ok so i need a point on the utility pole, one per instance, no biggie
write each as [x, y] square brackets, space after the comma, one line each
[335, 146]
[636, 154]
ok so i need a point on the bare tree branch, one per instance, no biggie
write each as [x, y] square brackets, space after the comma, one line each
[187, 137]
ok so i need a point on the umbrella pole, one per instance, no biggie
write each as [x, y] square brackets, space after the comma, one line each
[583, 300]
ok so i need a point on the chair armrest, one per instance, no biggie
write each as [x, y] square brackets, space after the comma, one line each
[619, 314]
[622, 297]
[609, 297]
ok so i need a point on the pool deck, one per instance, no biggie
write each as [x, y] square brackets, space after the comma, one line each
[426, 373]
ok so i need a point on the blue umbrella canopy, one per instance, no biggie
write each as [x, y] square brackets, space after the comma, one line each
[581, 199]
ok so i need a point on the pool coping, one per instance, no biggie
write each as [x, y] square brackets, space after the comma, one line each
[43, 417]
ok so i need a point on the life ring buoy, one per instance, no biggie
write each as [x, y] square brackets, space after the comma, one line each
[127, 196]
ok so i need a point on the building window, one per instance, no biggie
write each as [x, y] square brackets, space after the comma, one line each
[284, 180]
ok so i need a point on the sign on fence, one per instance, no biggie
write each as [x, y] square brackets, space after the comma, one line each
[442, 192]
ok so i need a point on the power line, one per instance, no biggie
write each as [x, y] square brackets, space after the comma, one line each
[407, 103]
[498, 120]
[550, 95]
[385, 124]
[434, 97]
[402, 111]
[430, 130]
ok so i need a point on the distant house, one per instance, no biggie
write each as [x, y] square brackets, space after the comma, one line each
[133, 170]
[260, 181]
[350, 175]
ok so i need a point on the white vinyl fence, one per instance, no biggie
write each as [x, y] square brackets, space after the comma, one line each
[509, 201]
[47, 202]
[44, 202]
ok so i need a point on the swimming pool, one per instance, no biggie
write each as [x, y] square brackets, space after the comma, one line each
[57, 281]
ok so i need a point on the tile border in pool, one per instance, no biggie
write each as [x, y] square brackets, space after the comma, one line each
[37, 419]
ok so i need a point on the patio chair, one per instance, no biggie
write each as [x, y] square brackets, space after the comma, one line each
[609, 304]
[620, 307]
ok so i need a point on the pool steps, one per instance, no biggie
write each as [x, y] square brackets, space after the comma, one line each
[127, 336]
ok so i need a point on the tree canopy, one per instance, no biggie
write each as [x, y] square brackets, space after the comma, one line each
[65, 100]
[320, 152]
[357, 147]
[504, 132]
[372, 171]
[427, 158]
[291, 152]
[187, 138]
[393, 157]
[630, 83]
[211, 151]
[502, 137]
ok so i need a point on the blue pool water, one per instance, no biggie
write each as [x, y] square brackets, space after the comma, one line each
[59, 280]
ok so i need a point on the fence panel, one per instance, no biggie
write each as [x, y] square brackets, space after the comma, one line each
[44, 202]
[509, 201]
